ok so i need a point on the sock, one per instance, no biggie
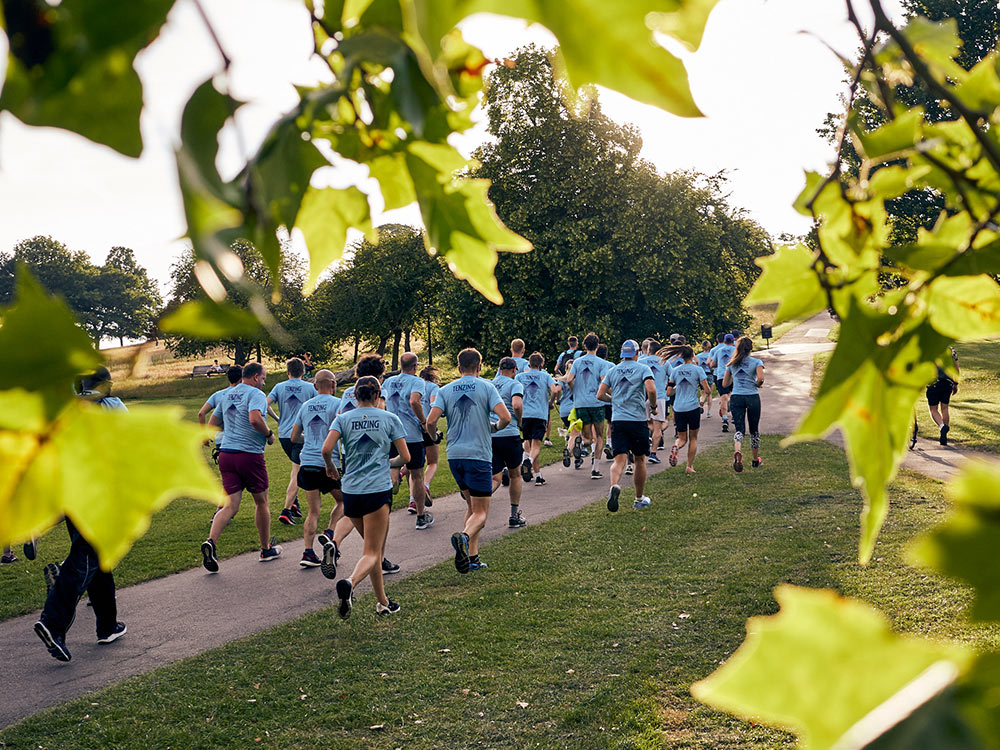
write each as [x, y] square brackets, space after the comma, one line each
[420, 518]
[473, 558]
[525, 457]
[513, 510]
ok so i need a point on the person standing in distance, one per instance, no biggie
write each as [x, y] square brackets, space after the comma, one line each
[241, 462]
[744, 377]
[468, 403]
[686, 380]
[539, 386]
[403, 395]
[367, 432]
[507, 442]
[585, 380]
[289, 395]
[628, 386]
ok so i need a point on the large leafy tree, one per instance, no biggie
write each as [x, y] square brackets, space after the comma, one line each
[129, 302]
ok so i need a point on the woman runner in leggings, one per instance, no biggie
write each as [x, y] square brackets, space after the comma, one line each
[745, 374]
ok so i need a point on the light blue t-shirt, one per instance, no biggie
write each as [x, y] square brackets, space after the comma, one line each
[723, 353]
[508, 388]
[588, 371]
[214, 400]
[430, 393]
[565, 399]
[745, 376]
[315, 418]
[235, 405]
[702, 358]
[686, 379]
[522, 363]
[537, 387]
[467, 403]
[671, 363]
[627, 381]
[397, 391]
[569, 353]
[289, 395]
[347, 401]
[654, 363]
[367, 434]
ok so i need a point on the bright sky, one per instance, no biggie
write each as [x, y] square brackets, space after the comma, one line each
[764, 85]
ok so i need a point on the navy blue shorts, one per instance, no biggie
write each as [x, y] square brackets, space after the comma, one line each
[474, 476]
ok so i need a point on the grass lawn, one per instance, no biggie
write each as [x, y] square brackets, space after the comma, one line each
[975, 409]
[176, 533]
[585, 632]
[764, 315]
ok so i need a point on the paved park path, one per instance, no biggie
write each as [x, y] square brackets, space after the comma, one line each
[187, 613]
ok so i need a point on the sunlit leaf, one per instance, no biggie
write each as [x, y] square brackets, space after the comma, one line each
[965, 307]
[686, 23]
[324, 218]
[790, 279]
[822, 665]
[208, 320]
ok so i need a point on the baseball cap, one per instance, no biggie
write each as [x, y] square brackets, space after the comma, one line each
[630, 348]
[674, 338]
[729, 338]
[508, 363]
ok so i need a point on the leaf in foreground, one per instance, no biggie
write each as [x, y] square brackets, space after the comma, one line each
[821, 665]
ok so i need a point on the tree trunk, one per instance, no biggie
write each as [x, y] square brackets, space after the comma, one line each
[240, 354]
[397, 335]
[382, 341]
[357, 343]
[259, 357]
[430, 353]
[406, 340]
[121, 341]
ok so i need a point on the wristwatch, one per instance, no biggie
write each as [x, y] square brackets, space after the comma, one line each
[270, 433]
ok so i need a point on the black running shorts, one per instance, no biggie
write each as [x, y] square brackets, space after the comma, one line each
[358, 506]
[292, 450]
[629, 437]
[314, 478]
[507, 453]
[940, 392]
[687, 420]
[533, 429]
[418, 455]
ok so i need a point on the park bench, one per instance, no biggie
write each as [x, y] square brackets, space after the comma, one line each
[206, 370]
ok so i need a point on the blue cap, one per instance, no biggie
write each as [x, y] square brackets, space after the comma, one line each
[630, 348]
[729, 338]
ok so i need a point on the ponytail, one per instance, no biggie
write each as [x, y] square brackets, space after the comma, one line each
[667, 352]
[743, 348]
[367, 389]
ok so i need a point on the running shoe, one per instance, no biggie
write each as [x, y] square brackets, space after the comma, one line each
[690, 470]
[328, 565]
[8, 558]
[31, 549]
[516, 520]
[477, 564]
[654, 459]
[607, 452]
[209, 556]
[539, 481]
[757, 462]
[460, 542]
[944, 434]
[295, 510]
[630, 469]
[547, 443]
[673, 456]
[641, 502]
[344, 590]
[54, 643]
[526, 474]
[566, 457]
[50, 573]
[613, 494]
[386, 609]
[578, 447]
[505, 478]
[309, 559]
[578, 463]
[389, 568]
[738, 461]
[412, 507]
[725, 426]
[114, 635]
[595, 474]
[428, 501]
[708, 414]
[286, 517]
[271, 553]
[425, 521]
[395, 488]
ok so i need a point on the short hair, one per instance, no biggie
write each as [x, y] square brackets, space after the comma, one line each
[469, 360]
[572, 341]
[517, 345]
[706, 344]
[507, 363]
[295, 367]
[89, 382]
[370, 364]
[408, 361]
[654, 346]
[234, 374]
[602, 351]
[590, 341]
[367, 388]
[430, 374]
[720, 338]
[536, 360]
[252, 370]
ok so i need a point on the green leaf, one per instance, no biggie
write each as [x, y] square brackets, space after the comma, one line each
[204, 116]
[324, 218]
[209, 320]
[822, 665]
[394, 180]
[895, 136]
[790, 279]
[965, 307]
[109, 471]
[965, 545]
[70, 66]
[980, 91]
[42, 349]
[686, 23]
[608, 44]
[894, 181]
[459, 218]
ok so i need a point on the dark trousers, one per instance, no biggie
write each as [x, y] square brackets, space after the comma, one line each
[745, 409]
[80, 572]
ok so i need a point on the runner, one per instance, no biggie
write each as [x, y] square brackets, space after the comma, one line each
[403, 395]
[574, 352]
[241, 462]
[517, 353]
[309, 432]
[744, 376]
[539, 386]
[585, 380]
[654, 363]
[628, 385]
[686, 381]
[939, 395]
[432, 384]
[289, 395]
[703, 357]
[507, 449]
[468, 403]
[234, 374]
[367, 433]
[571, 423]
[602, 352]
[719, 360]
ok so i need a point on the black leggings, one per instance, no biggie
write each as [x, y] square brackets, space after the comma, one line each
[746, 408]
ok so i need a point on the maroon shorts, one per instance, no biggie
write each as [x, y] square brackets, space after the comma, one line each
[243, 471]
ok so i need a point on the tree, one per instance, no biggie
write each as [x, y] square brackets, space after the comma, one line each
[128, 300]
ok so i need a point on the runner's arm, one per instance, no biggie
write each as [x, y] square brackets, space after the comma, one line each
[258, 422]
[760, 375]
[204, 410]
[501, 411]
[418, 409]
[271, 412]
[297, 436]
[727, 379]
[327, 450]
[432, 420]
[705, 386]
[651, 394]
[604, 393]
[404, 452]
[517, 404]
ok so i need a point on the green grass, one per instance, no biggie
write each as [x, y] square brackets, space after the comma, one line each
[764, 315]
[579, 618]
[173, 540]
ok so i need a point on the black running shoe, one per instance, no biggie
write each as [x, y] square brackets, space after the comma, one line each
[286, 517]
[328, 565]
[389, 568]
[516, 520]
[460, 541]
[578, 462]
[725, 426]
[505, 478]
[309, 559]
[344, 590]
[526, 473]
[539, 481]
[51, 574]
[54, 643]
[566, 457]
[613, 495]
[578, 447]
[944, 441]
[595, 474]
[386, 609]
[757, 462]
[209, 556]
[607, 452]
[31, 550]
[295, 510]
[114, 635]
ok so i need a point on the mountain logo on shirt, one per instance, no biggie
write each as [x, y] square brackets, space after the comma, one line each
[586, 376]
[293, 405]
[456, 428]
[231, 415]
[394, 402]
[348, 406]
[532, 389]
[317, 429]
